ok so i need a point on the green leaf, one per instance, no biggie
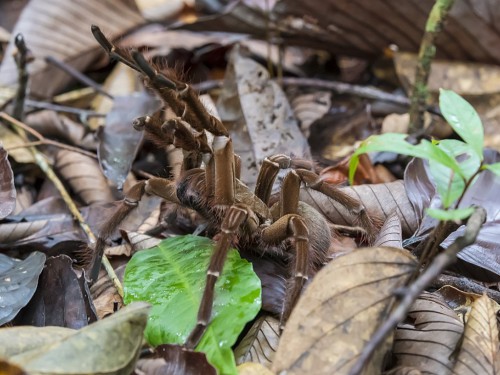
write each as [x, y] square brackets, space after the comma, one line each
[495, 168]
[395, 142]
[463, 118]
[444, 215]
[172, 277]
[451, 185]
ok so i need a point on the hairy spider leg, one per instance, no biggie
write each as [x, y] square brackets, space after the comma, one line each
[273, 164]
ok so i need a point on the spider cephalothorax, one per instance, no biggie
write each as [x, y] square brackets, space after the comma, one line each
[210, 184]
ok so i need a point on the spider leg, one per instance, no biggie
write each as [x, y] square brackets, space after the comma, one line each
[156, 186]
[273, 164]
[235, 216]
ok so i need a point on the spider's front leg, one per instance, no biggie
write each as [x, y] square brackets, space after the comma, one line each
[234, 218]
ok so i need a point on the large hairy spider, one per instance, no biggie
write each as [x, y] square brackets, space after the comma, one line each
[216, 192]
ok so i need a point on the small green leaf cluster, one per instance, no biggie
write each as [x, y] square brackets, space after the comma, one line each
[453, 164]
[171, 277]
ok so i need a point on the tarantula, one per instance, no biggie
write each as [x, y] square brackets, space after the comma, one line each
[216, 192]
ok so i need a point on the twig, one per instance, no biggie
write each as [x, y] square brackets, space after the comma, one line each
[77, 75]
[62, 108]
[466, 285]
[49, 172]
[41, 139]
[411, 293]
[425, 56]
[21, 58]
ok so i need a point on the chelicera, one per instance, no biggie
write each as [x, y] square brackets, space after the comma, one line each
[210, 184]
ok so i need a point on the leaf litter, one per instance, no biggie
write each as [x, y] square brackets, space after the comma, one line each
[351, 304]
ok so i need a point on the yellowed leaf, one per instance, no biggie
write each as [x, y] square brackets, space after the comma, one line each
[340, 310]
[250, 368]
[479, 353]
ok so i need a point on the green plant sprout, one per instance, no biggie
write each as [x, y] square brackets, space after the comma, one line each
[453, 164]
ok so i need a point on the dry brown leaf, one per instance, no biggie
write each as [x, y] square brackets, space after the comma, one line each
[379, 199]
[311, 107]
[463, 78]
[250, 98]
[250, 368]
[104, 294]
[390, 234]
[25, 197]
[479, 353]
[7, 188]
[14, 141]
[13, 232]
[121, 81]
[54, 125]
[84, 176]
[428, 337]
[61, 29]
[260, 343]
[340, 310]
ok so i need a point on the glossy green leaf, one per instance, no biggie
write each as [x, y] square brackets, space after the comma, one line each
[395, 142]
[172, 277]
[495, 168]
[451, 185]
[463, 118]
[458, 214]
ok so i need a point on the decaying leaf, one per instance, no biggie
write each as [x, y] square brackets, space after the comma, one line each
[250, 98]
[340, 310]
[13, 140]
[428, 337]
[63, 31]
[176, 360]
[311, 107]
[109, 346]
[118, 140]
[25, 338]
[7, 188]
[105, 297]
[62, 299]
[479, 353]
[260, 343]
[390, 234]
[251, 368]
[84, 176]
[18, 282]
[379, 199]
[7, 368]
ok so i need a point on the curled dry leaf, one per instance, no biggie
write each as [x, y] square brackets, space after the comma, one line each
[84, 176]
[428, 337]
[260, 343]
[12, 140]
[479, 353]
[379, 199]
[104, 294]
[250, 98]
[7, 188]
[18, 282]
[390, 234]
[63, 31]
[340, 310]
[310, 107]
[110, 346]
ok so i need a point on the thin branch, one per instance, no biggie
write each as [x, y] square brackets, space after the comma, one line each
[411, 293]
[41, 139]
[49, 172]
[77, 75]
[466, 285]
[426, 54]
[62, 108]
[21, 58]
